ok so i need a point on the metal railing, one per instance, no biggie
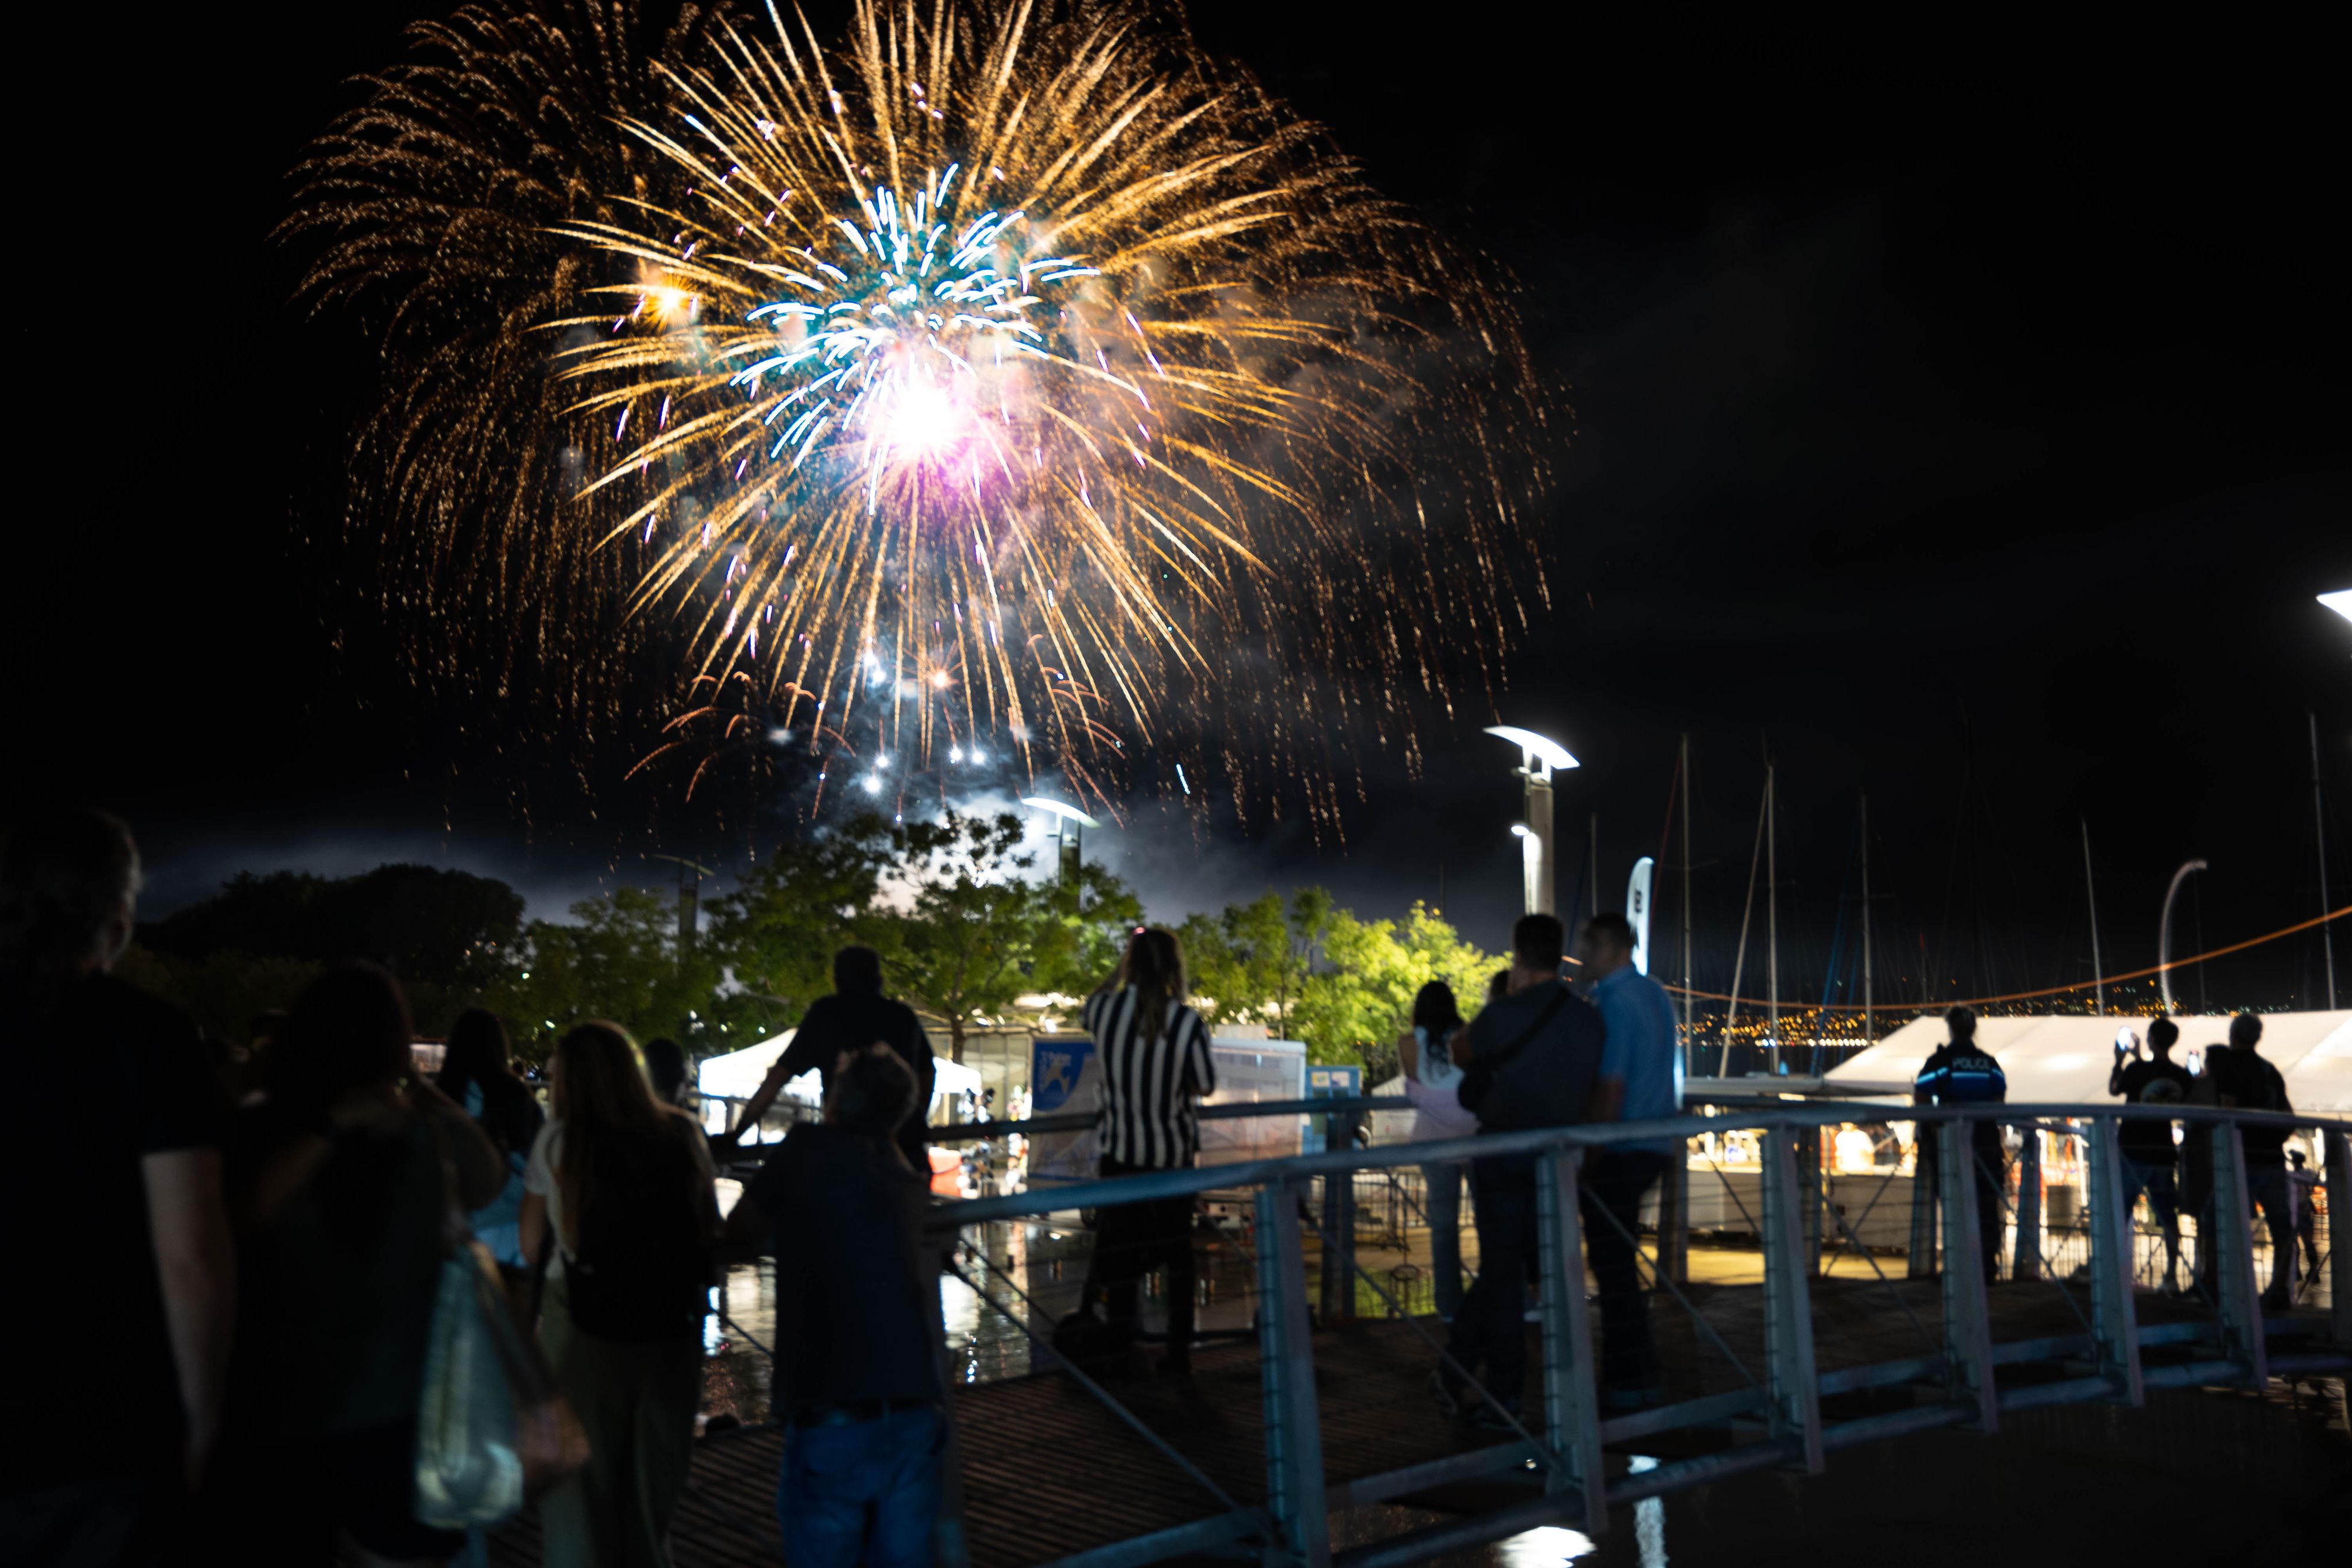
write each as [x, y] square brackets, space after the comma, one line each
[1825, 1347]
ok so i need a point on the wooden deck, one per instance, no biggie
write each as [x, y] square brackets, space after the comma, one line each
[1049, 1471]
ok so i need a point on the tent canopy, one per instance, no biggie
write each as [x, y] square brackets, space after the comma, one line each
[737, 1074]
[2057, 1059]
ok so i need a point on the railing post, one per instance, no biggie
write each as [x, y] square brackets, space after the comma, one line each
[1793, 1384]
[1927, 1183]
[2336, 1155]
[2026, 1263]
[2115, 1326]
[1968, 1322]
[1806, 1143]
[1673, 1216]
[2232, 1272]
[1570, 1389]
[1294, 1432]
[1338, 1281]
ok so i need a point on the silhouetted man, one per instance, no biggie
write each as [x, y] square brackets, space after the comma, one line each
[2239, 1077]
[2150, 1160]
[121, 1279]
[1641, 1080]
[1530, 1059]
[856, 1363]
[856, 1016]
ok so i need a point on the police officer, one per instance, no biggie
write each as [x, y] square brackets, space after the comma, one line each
[1962, 1072]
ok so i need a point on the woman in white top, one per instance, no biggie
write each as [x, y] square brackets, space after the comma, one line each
[1430, 1082]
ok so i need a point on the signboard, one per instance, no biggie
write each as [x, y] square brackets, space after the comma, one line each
[1065, 1079]
[1327, 1083]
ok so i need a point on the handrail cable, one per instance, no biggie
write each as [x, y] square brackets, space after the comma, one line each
[2060, 991]
[1191, 1180]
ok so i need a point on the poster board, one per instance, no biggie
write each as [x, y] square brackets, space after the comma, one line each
[1065, 1079]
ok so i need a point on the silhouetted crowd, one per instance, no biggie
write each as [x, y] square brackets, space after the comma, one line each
[314, 1306]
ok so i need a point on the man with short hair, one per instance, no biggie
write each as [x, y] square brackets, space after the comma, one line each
[1641, 1080]
[1962, 1072]
[856, 1368]
[2150, 1160]
[2240, 1077]
[116, 1232]
[856, 1016]
[1530, 1061]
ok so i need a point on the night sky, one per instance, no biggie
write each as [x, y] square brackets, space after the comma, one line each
[1958, 418]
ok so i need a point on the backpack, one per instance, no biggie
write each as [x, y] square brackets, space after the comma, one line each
[641, 1271]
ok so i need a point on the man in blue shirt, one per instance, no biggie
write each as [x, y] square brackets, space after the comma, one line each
[1641, 1080]
[1962, 1072]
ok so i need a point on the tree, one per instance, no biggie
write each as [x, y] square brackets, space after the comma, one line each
[978, 933]
[447, 935]
[1361, 998]
[618, 960]
[1079, 946]
[776, 934]
[1316, 972]
[222, 991]
[1250, 961]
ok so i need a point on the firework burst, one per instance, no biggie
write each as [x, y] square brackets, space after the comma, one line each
[1032, 382]
[431, 210]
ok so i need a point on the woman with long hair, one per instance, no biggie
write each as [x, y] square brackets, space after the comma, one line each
[618, 1198]
[476, 1075]
[340, 1178]
[1432, 1082]
[1153, 1051]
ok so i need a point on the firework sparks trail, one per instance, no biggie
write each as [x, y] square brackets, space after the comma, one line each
[1032, 376]
[433, 207]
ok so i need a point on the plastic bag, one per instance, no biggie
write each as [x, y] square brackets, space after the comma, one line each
[491, 1434]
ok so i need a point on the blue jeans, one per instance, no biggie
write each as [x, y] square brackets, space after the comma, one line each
[1490, 1331]
[1610, 1199]
[1443, 1184]
[865, 1490]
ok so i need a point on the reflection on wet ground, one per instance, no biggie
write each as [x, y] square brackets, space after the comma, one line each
[2196, 1476]
[1033, 1274]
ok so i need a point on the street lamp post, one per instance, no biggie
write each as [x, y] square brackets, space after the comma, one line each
[689, 899]
[2163, 935]
[1538, 758]
[1067, 841]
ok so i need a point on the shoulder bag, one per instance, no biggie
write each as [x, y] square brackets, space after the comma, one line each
[491, 1432]
[1479, 1076]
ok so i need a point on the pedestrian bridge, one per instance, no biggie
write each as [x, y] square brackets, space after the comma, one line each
[1812, 1311]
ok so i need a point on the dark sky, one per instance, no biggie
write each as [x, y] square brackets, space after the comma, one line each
[1959, 419]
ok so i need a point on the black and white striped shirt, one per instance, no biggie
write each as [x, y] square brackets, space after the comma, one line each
[1150, 1089]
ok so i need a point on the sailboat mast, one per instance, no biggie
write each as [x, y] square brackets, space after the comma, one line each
[2090, 887]
[1594, 850]
[1686, 899]
[1739, 958]
[2319, 827]
[1867, 1038]
[1772, 908]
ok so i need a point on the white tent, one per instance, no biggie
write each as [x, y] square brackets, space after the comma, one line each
[2053, 1060]
[739, 1074]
